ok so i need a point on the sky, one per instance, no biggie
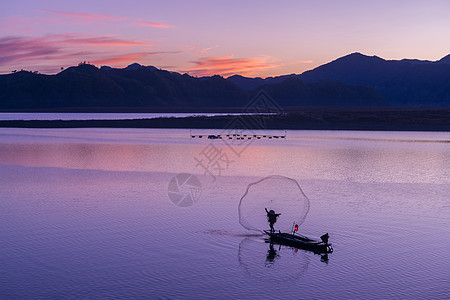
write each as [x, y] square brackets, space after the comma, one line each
[202, 38]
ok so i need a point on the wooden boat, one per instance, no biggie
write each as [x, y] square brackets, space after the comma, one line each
[300, 241]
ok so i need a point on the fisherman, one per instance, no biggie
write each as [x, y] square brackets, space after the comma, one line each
[272, 218]
[325, 238]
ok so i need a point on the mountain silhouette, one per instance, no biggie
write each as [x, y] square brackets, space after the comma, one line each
[444, 60]
[86, 86]
[135, 86]
[401, 82]
[406, 82]
[292, 92]
[249, 84]
[353, 80]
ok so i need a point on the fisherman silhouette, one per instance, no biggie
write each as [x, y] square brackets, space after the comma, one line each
[271, 218]
[325, 238]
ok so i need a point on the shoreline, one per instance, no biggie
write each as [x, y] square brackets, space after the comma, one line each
[382, 120]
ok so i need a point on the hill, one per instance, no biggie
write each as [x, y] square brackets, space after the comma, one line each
[87, 87]
[406, 82]
[401, 82]
[355, 80]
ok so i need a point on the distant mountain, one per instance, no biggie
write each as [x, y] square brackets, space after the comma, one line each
[444, 60]
[293, 92]
[248, 83]
[134, 86]
[402, 83]
[406, 82]
[86, 86]
[352, 80]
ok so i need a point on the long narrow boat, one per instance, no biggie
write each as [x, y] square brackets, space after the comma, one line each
[299, 241]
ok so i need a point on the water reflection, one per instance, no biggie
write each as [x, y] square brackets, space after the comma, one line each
[355, 157]
[102, 233]
[271, 254]
[270, 262]
[111, 157]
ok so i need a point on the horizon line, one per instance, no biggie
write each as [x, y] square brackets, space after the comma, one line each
[99, 66]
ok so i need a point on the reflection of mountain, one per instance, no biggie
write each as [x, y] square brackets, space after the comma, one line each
[352, 80]
[263, 261]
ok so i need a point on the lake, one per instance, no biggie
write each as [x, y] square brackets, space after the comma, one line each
[153, 214]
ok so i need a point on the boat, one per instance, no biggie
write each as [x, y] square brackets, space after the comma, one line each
[300, 241]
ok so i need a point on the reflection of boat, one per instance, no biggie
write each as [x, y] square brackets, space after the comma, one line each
[270, 263]
[300, 241]
[271, 254]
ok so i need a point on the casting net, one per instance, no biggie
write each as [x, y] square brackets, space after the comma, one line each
[279, 193]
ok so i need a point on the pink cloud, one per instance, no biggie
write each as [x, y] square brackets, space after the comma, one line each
[15, 20]
[127, 58]
[68, 49]
[100, 41]
[18, 23]
[205, 50]
[86, 16]
[202, 51]
[152, 24]
[18, 48]
[119, 59]
[228, 65]
[12, 45]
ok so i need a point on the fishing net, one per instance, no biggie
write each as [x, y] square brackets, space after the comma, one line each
[279, 193]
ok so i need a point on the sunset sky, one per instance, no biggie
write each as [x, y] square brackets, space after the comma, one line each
[252, 38]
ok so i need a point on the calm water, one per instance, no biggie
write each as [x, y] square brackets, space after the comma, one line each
[85, 213]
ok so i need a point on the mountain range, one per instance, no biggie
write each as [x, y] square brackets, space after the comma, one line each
[355, 80]
[407, 82]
